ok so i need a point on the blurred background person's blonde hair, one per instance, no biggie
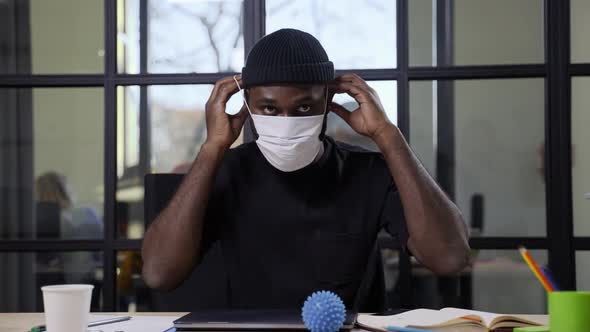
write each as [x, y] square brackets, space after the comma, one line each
[52, 187]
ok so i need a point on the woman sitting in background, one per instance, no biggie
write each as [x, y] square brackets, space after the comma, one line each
[75, 222]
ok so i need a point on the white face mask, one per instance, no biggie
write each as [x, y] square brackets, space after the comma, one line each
[288, 143]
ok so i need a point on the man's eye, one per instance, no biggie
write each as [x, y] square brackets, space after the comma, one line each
[304, 108]
[269, 110]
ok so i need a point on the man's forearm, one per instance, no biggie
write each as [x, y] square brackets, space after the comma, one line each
[438, 235]
[171, 246]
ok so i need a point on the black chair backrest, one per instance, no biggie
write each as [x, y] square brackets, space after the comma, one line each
[159, 189]
[48, 218]
[207, 285]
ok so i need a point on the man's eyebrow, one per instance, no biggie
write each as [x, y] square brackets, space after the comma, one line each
[265, 100]
[306, 98]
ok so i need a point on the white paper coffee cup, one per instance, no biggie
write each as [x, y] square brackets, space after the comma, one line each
[67, 307]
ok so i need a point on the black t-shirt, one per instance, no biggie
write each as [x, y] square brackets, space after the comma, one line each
[284, 235]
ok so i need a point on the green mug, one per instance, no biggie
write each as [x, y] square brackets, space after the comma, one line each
[569, 311]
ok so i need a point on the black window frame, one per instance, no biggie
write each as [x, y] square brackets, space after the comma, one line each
[557, 71]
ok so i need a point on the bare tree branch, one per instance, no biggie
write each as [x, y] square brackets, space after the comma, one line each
[210, 26]
[240, 26]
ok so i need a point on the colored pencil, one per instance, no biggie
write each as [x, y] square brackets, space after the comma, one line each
[405, 329]
[535, 268]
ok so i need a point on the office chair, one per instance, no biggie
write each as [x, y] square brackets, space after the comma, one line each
[207, 285]
[48, 218]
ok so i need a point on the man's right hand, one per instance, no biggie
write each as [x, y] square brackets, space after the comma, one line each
[223, 129]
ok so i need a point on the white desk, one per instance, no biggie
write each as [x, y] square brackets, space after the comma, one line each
[22, 322]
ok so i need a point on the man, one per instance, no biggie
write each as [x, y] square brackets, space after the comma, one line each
[295, 211]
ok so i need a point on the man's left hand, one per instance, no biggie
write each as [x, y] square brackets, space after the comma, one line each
[369, 119]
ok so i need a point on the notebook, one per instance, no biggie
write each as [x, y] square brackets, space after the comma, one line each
[248, 320]
[450, 319]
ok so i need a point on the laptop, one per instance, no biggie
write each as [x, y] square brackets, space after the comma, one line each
[270, 319]
[242, 319]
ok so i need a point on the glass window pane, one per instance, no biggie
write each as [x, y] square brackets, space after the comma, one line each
[423, 122]
[499, 132]
[341, 131]
[165, 140]
[128, 36]
[52, 163]
[24, 273]
[581, 155]
[495, 164]
[355, 34]
[422, 32]
[489, 284]
[183, 36]
[498, 32]
[483, 32]
[43, 37]
[580, 29]
[583, 270]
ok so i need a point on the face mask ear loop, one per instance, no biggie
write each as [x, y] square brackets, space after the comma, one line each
[247, 107]
[242, 91]
[325, 121]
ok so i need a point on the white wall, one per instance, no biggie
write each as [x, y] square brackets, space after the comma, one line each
[66, 37]
[422, 123]
[498, 31]
[581, 172]
[580, 11]
[499, 127]
[422, 32]
[68, 138]
[581, 154]
[580, 29]
[583, 270]
[422, 107]
[499, 124]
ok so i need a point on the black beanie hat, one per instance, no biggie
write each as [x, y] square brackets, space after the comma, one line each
[287, 56]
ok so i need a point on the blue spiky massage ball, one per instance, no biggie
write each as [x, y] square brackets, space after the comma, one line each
[323, 311]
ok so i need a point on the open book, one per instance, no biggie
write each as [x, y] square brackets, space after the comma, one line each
[450, 320]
